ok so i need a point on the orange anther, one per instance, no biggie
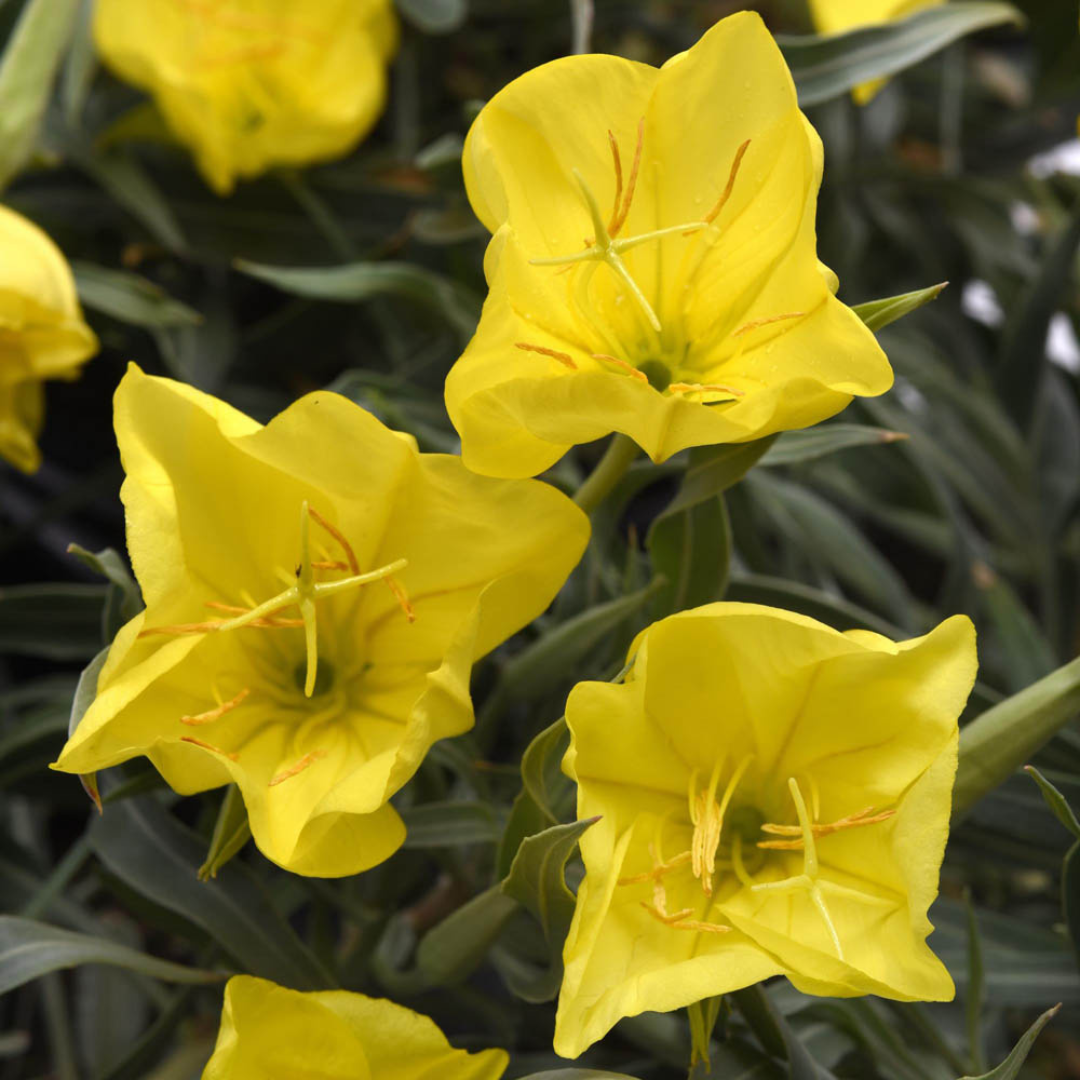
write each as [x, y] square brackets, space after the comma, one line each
[299, 767]
[562, 357]
[618, 185]
[208, 746]
[353, 566]
[629, 369]
[215, 714]
[402, 597]
[747, 327]
[704, 388]
[619, 218]
[714, 213]
[330, 564]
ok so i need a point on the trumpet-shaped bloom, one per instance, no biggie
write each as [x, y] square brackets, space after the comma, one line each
[653, 267]
[268, 1032]
[42, 333]
[839, 16]
[316, 593]
[252, 84]
[774, 799]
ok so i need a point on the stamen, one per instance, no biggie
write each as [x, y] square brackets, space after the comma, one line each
[747, 327]
[659, 870]
[563, 358]
[215, 714]
[208, 746]
[620, 219]
[299, 767]
[714, 213]
[402, 597]
[329, 564]
[618, 185]
[819, 829]
[704, 388]
[633, 372]
[344, 544]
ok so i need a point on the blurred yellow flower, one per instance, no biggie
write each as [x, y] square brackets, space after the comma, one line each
[839, 16]
[251, 84]
[42, 333]
[693, 310]
[316, 591]
[774, 799]
[268, 1031]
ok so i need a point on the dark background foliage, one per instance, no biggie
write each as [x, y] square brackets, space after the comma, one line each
[943, 177]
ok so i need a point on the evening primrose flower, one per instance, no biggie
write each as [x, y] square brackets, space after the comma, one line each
[268, 1031]
[653, 267]
[316, 593]
[42, 333]
[773, 799]
[251, 84]
[839, 16]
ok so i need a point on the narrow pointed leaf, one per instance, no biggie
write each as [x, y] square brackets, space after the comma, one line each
[877, 314]
[1009, 1069]
[798, 447]
[1057, 802]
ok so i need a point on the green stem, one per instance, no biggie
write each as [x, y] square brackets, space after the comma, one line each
[609, 471]
[760, 1018]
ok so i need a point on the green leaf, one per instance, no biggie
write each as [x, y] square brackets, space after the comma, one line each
[714, 469]
[1009, 1069]
[877, 314]
[975, 993]
[231, 832]
[577, 1074]
[826, 67]
[534, 670]
[797, 447]
[541, 771]
[144, 846]
[1000, 740]
[130, 298]
[1057, 802]
[434, 16]
[30, 949]
[1023, 351]
[1070, 896]
[59, 622]
[455, 947]
[366, 281]
[27, 71]
[691, 552]
[85, 692]
[449, 824]
[124, 598]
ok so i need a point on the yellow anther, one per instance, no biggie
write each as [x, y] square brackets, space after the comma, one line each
[709, 824]
[299, 767]
[401, 596]
[866, 816]
[208, 746]
[633, 372]
[618, 183]
[705, 388]
[215, 714]
[757, 323]
[329, 564]
[564, 358]
[659, 870]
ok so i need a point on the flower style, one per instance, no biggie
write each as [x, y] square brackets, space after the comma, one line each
[774, 799]
[268, 1032]
[839, 16]
[42, 333]
[653, 268]
[251, 84]
[316, 591]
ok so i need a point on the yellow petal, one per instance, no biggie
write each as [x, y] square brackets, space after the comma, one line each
[267, 1030]
[247, 85]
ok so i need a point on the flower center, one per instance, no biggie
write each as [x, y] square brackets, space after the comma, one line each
[644, 348]
[730, 838]
[313, 677]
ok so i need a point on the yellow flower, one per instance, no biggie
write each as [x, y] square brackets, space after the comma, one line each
[316, 591]
[693, 310]
[250, 84]
[774, 799]
[268, 1031]
[839, 16]
[42, 333]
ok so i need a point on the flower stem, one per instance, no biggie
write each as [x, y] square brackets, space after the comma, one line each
[609, 471]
